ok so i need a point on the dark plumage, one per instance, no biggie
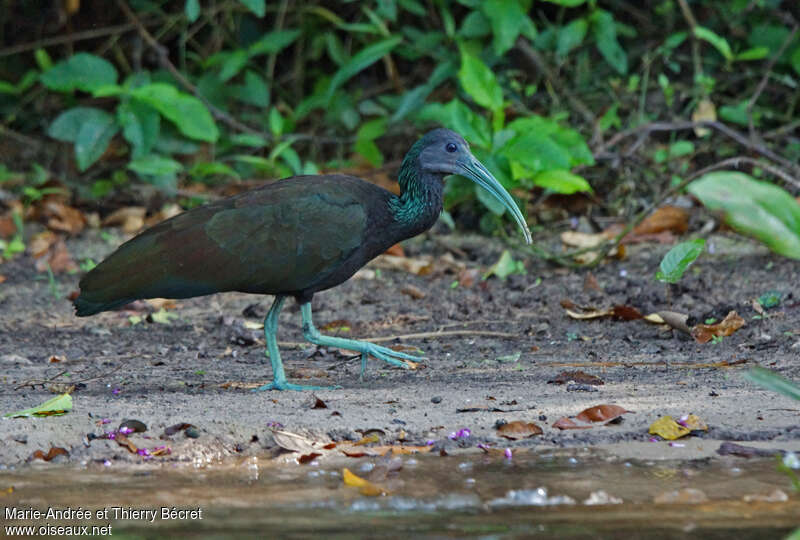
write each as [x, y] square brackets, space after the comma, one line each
[292, 237]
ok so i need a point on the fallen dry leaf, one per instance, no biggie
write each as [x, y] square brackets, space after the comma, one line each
[365, 487]
[53, 452]
[705, 112]
[41, 242]
[666, 218]
[63, 218]
[412, 291]
[519, 430]
[667, 428]
[130, 218]
[582, 240]
[672, 318]
[601, 413]
[568, 423]
[167, 211]
[162, 303]
[308, 458]
[703, 333]
[396, 250]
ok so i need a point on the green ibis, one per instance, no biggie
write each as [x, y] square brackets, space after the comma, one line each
[293, 237]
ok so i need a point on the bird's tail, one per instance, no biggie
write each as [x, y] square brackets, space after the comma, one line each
[85, 307]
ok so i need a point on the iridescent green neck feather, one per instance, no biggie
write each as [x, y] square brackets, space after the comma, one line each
[420, 200]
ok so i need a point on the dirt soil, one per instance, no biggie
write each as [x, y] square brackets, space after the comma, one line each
[166, 374]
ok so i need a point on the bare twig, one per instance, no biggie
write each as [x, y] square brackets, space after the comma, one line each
[71, 38]
[538, 62]
[692, 22]
[716, 125]
[761, 85]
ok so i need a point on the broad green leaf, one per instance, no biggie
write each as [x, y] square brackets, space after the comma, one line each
[92, 140]
[275, 121]
[413, 99]
[55, 406]
[681, 148]
[719, 42]
[233, 64]
[489, 201]
[204, 169]
[155, 165]
[254, 91]
[67, 124]
[257, 7]
[772, 381]
[140, 126]
[365, 137]
[360, 61]
[562, 181]
[506, 17]
[759, 209]
[567, 3]
[247, 139]
[795, 60]
[755, 53]
[605, 33]
[505, 266]
[737, 114]
[475, 25]
[43, 59]
[273, 42]
[479, 82]
[7, 88]
[570, 36]
[254, 161]
[678, 259]
[537, 152]
[192, 10]
[187, 112]
[82, 71]
[372, 129]
[457, 116]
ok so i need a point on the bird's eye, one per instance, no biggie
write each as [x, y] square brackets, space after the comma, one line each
[451, 147]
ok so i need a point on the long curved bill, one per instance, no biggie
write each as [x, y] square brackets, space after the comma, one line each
[475, 171]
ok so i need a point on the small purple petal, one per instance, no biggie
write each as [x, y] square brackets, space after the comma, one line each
[105, 421]
[116, 391]
[125, 430]
[274, 424]
[676, 445]
[143, 452]
[111, 435]
[106, 463]
[508, 453]
[654, 439]
[482, 446]
[430, 442]
[463, 433]
[683, 420]
[452, 435]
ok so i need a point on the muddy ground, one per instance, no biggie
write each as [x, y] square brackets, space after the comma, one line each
[165, 374]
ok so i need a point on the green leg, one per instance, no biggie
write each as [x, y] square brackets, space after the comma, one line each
[364, 347]
[279, 381]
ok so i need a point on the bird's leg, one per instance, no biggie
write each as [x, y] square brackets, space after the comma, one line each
[366, 348]
[279, 381]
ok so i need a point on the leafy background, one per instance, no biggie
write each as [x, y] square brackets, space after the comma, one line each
[600, 102]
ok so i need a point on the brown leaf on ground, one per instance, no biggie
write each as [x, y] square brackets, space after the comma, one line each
[626, 313]
[63, 218]
[2, 278]
[601, 413]
[468, 276]
[671, 318]
[412, 291]
[53, 452]
[55, 255]
[396, 250]
[318, 403]
[666, 218]
[414, 265]
[582, 240]
[166, 212]
[162, 303]
[568, 423]
[705, 111]
[130, 218]
[308, 458]
[590, 283]
[41, 242]
[576, 376]
[519, 430]
[703, 333]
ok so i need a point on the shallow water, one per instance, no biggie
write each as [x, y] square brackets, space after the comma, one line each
[540, 495]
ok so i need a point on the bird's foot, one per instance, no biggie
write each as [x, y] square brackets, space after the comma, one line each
[386, 354]
[286, 385]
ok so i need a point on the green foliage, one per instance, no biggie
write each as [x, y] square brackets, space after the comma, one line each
[678, 259]
[772, 381]
[758, 209]
[262, 84]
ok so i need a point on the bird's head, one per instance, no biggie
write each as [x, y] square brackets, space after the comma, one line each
[443, 152]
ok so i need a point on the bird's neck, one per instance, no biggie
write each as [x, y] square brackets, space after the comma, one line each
[420, 202]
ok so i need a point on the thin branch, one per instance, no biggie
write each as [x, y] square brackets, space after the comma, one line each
[692, 22]
[716, 125]
[538, 62]
[219, 114]
[761, 85]
[71, 38]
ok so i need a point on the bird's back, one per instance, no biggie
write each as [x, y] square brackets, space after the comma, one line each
[294, 236]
